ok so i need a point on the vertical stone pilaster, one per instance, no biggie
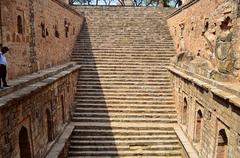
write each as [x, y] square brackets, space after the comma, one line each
[1, 32]
[33, 55]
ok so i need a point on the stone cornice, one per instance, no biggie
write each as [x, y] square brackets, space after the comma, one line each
[31, 88]
[64, 5]
[227, 91]
[183, 7]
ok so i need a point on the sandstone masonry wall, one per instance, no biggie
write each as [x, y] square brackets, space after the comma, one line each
[200, 26]
[30, 124]
[205, 75]
[40, 34]
[203, 113]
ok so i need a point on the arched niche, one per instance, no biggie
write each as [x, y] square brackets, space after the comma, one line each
[24, 144]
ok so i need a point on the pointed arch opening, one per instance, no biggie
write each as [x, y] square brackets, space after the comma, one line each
[24, 144]
[222, 144]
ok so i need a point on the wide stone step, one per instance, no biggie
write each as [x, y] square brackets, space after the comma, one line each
[164, 64]
[125, 110]
[125, 115]
[133, 94]
[118, 101]
[126, 76]
[84, 97]
[131, 91]
[153, 80]
[125, 153]
[129, 72]
[122, 49]
[121, 56]
[135, 120]
[124, 148]
[128, 58]
[133, 106]
[124, 138]
[124, 142]
[123, 132]
[104, 156]
[122, 85]
[125, 61]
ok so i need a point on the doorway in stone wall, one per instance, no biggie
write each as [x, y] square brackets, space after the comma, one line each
[199, 126]
[222, 144]
[63, 108]
[49, 126]
[24, 144]
[185, 112]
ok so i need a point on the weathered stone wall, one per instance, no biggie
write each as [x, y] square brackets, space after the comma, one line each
[40, 34]
[209, 29]
[42, 114]
[203, 111]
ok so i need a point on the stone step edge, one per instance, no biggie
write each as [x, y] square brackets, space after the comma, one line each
[60, 143]
[126, 125]
[175, 152]
[26, 80]
[185, 143]
[17, 95]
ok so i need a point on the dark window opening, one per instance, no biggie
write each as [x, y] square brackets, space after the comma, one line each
[56, 31]
[43, 30]
[19, 24]
[66, 26]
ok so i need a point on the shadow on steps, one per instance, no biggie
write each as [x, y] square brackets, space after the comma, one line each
[89, 134]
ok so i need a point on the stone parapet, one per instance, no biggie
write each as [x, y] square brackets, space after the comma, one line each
[34, 114]
[207, 109]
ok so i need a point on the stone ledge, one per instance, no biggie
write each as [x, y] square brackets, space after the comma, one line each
[47, 77]
[185, 143]
[61, 143]
[26, 80]
[222, 90]
[183, 7]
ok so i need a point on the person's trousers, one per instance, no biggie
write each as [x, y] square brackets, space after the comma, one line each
[3, 74]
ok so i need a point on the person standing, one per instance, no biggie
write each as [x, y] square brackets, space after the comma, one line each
[3, 67]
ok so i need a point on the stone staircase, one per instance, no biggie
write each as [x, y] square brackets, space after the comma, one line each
[124, 100]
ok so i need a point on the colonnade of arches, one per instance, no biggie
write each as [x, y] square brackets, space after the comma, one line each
[222, 139]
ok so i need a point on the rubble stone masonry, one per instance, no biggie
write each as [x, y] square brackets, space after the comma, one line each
[40, 34]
